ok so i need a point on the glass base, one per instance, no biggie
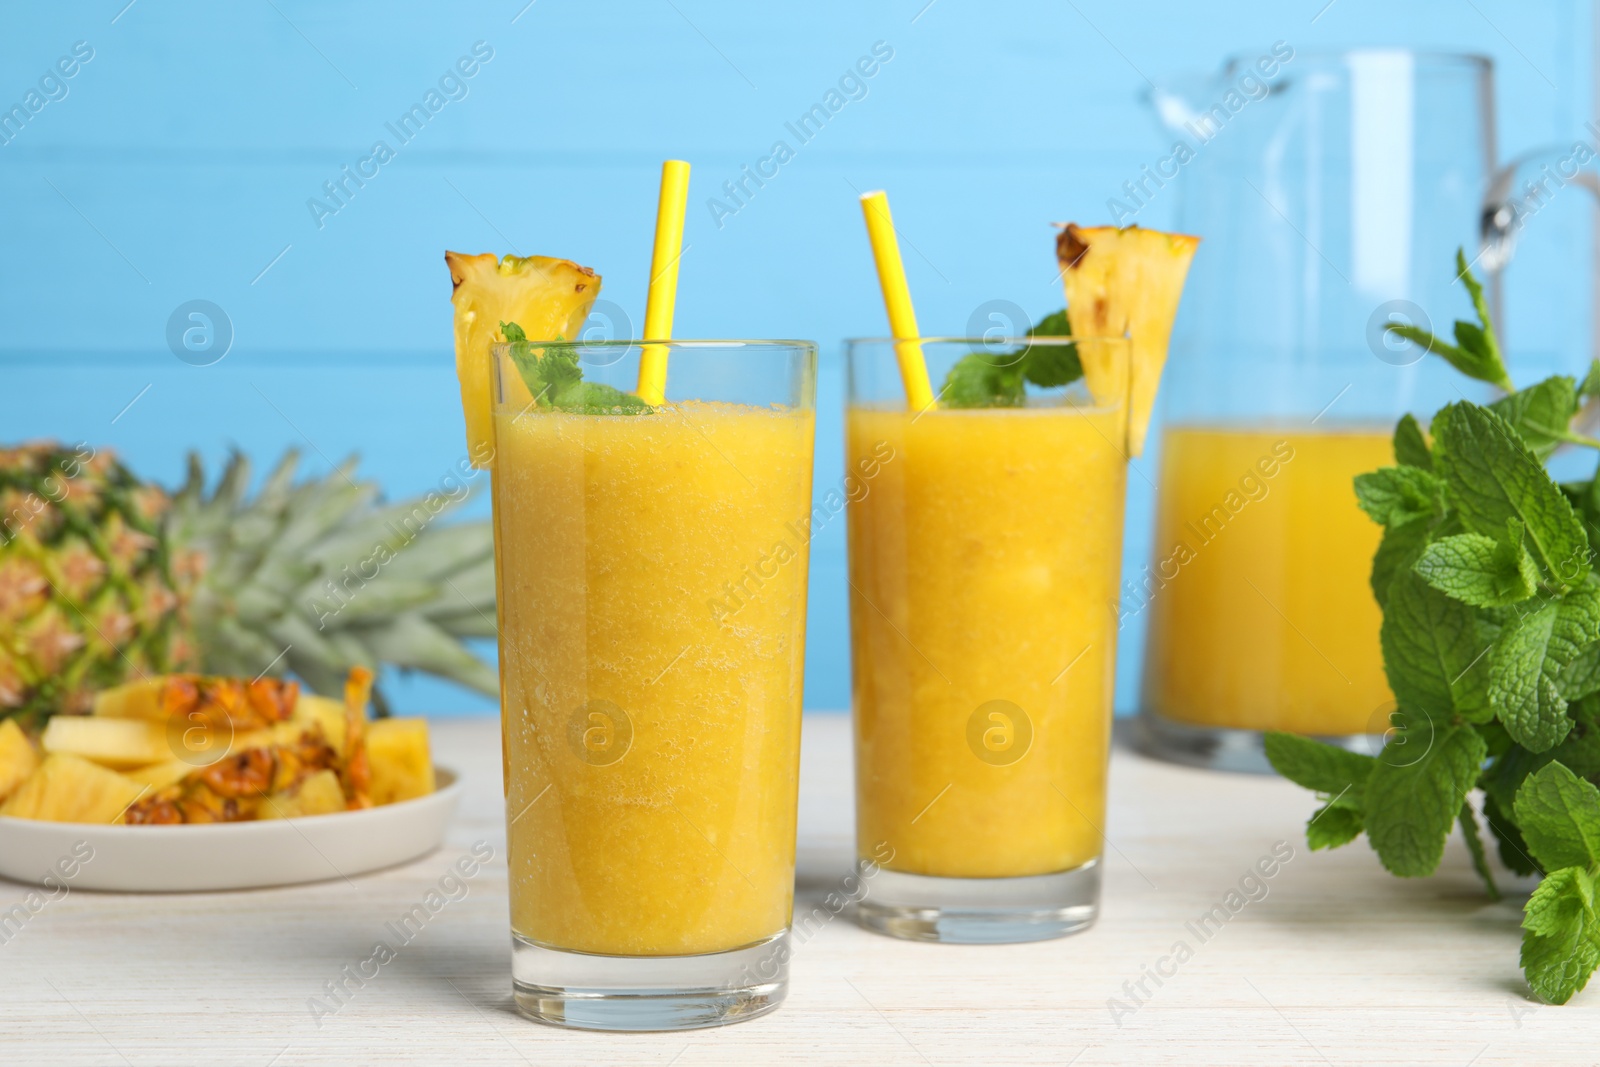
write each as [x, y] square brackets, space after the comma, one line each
[1219, 748]
[982, 911]
[589, 992]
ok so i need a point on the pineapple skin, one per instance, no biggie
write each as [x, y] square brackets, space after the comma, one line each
[87, 590]
[105, 580]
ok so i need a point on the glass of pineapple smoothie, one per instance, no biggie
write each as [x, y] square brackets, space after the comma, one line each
[652, 595]
[984, 550]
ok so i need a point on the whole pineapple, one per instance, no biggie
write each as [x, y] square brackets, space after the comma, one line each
[105, 579]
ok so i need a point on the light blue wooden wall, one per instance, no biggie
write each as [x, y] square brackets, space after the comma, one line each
[179, 163]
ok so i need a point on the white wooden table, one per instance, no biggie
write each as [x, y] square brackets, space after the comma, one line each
[1338, 964]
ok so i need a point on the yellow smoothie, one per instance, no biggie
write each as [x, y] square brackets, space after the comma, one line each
[984, 561]
[1261, 616]
[652, 582]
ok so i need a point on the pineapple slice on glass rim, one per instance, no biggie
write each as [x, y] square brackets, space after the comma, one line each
[1126, 281]
[549, 298]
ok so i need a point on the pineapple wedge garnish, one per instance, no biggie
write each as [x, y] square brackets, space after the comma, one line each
[1125, 281]
[71, 789]
[18, 760]
[549, 298]
[401, 762]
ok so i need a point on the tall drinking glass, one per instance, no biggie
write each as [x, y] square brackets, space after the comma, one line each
[652, 594]
[985, 547]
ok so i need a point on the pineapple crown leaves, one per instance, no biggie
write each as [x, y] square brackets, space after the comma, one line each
[317, 576]
[1491, 645]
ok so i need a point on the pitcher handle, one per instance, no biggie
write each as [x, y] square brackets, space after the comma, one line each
[1520, 190]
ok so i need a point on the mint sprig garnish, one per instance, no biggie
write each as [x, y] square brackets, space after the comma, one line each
[555, 379]
[1491, 645]
[1000, 380]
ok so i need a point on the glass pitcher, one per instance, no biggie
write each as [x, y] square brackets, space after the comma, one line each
[1332, 191]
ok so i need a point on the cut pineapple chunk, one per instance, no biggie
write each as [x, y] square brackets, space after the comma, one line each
[67, 788]
[18, 759]
[134, 700]
[1125, 281]
[402, 764]
[549, 298]
[318, 794]
[115, 743]
[326, 714]
[160, 775]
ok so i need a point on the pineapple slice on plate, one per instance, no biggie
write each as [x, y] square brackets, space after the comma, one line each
[115, 743]
[325, 714]
[549, 298]
[68, 788]
[160, 775]
[317, 794]
[1126, 281]
[18, 759]
[133, 700]
[400, 758]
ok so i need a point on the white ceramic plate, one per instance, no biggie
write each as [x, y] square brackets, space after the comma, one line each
[245, 855]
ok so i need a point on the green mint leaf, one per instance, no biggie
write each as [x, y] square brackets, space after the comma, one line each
[1492, 477]
[596, 398]
[1580, 752]
[1489, 350]
[1591, 381]
[1541, 414]
[1513, 849]
[1581, 677]
[1320, 766]
[1479, 570]
[1055, 324]
[1397, 553]
[1462, 361]
[1393, 496]
[1417, 790]
[1052, 366]
[1561, 935]
[980, 380]
[1335, 823]
[1476, 353]
[1433, 652]
[1410, 446]
[1559, 816]
[555, 379]
[1527, 659]
[1501, 780]
[1584, 497]
[1480, 862]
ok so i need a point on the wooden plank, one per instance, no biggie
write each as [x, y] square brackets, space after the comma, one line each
[1336, 962]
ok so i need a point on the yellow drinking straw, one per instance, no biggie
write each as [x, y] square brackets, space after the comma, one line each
[897, 299]
[663, 294]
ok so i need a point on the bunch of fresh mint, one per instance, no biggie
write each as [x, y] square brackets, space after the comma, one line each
[1491, 644]
[555, 379]
[1000, 380]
